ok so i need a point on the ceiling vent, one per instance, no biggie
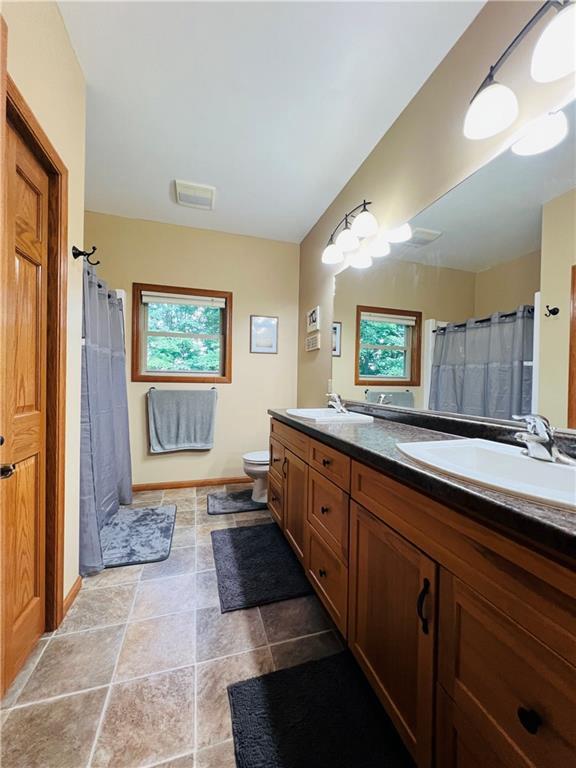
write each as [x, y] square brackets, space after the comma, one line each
[422, 237]
[195, 195]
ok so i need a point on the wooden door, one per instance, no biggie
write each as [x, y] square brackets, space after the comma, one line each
[23, 295]
[572, 355]
[295, 501]
[392, 626]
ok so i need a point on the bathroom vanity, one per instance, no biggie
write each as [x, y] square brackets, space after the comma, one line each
[459, 604]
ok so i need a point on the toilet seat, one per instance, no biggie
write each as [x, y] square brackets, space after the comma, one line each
[257, 457]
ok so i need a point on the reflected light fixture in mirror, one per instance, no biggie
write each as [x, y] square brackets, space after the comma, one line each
[542, 135]
[554, 55]
[332, 254]
[377, 247]
[399, 234]
[359, 259]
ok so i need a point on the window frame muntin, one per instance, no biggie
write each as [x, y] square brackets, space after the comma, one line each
[140, 333]
[415, 348]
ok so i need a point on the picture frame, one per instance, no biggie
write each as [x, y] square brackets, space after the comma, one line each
[336, 339]
[313, 320]
[263, 335]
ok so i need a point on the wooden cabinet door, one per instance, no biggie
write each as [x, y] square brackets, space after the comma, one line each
[392, 626]
[295, 501]
[458, 744]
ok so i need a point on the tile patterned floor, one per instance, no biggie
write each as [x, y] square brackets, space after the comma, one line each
[136, 675]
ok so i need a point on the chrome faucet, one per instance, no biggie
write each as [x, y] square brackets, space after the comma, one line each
[539, 440]
[335, 401]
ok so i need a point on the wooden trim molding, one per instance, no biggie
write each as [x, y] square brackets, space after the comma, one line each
[72, 595]
[137, 332]
[19, 114]
[190, 483]
[572, 356]
[415, 349]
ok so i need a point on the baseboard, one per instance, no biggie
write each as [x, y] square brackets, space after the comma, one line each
[72, 595]
[190, 483]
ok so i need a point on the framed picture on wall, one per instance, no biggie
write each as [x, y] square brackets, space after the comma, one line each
[263, 334]
[336, 339]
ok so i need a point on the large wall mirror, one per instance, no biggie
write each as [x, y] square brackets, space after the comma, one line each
[454, 319]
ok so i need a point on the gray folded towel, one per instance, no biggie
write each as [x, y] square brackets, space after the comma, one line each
[181, 420]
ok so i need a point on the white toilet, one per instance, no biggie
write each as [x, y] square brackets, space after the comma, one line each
[256, 465]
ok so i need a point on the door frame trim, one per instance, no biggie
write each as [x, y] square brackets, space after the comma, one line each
[572, 355]
[19, 114]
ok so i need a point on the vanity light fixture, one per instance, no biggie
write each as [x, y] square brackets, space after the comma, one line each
[494, 106]
[555, 52]
[544, 134]
[365, 223]
[348, 238]
[332, 254]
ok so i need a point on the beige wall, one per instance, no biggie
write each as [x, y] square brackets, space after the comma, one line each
[439, 293]
[43, 65]
[558, 256]
[263, 276]
[421, 157]
[506, 286]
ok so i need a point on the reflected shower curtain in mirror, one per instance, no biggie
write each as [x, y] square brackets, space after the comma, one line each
[484, 367]
[105, 466]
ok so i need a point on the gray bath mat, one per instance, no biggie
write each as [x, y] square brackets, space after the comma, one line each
[322, 714]
[255, 566]
[227, 503]
[136, 536]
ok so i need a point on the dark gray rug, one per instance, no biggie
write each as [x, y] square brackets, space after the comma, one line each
[322, 714]
[227, 503]
[255, 566]
[136, 536]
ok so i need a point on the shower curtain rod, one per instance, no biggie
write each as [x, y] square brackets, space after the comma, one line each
[481, 320]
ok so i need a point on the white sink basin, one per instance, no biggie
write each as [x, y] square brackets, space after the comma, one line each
[329, 416]
[503, 467]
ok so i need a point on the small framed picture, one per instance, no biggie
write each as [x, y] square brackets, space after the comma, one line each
[313, 320]
[263, 334]
[336, 339]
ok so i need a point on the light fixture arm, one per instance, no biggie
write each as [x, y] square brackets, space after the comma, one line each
[350, 216]
[557, 4]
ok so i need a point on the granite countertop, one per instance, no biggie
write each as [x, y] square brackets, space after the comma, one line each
[546, 528]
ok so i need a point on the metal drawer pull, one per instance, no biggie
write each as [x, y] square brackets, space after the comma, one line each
[420, 605]
[322, 573]
[326, 462]
[323, 510]
[529, 719]
[7, 470]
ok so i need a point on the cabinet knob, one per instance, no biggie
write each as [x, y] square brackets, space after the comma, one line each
[529, 719]
[274, 497]
[276, 459]
[326, 462]
[322, 573]
[323, 510]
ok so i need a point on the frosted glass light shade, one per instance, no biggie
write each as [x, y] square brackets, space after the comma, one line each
[377, 246]
[493, 110]
[365, 224]
[332, 254]
[554, 54]
[359, 259]
[542, 135]
[399, 234]
[347, 240]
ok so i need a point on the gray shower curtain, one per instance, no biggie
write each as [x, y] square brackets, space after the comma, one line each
[484, 367]
[105, 466]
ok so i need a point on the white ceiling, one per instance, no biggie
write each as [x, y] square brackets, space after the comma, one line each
[496, 214]
[275, 104]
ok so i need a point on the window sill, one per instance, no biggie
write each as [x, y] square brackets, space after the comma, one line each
[387, 382]
[168, 379]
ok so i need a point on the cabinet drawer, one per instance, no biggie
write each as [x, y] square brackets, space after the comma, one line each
[291, 438]
[330, 463]
[330, 577]
[275, 499]
[518, 694]
[276, 459]
[328, 512]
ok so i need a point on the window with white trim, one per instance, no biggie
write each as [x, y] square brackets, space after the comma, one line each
[387, 346]
[182, 334]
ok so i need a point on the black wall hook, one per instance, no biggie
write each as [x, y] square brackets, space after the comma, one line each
[76, 253]
[551, 311]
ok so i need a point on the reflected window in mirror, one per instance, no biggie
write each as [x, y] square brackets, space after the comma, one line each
[388, 345]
